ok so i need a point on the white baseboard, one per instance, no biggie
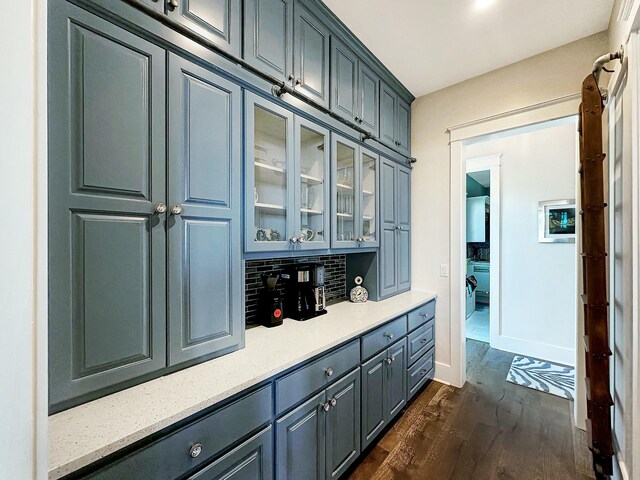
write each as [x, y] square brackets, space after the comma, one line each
[543, 351]
[622, 473]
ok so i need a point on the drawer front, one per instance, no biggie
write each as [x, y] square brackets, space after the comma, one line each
[171, 456]
[303, 382]
[383, 337]
[420, 373]
[422, 315]
[421, 341]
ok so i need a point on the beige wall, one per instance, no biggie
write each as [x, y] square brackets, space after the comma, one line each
[550, 75]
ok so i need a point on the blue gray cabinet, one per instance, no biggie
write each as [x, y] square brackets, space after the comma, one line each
[384, 386]
[311, 56]
[394, 260]
[204, 222]
[354, 88]
[354, 193]
[252, 460]
[395, 120]
[157, 5]
[268, 36]
[287, 179]
[106, 175]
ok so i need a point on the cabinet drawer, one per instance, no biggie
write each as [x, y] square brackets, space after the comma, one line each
[303, 382]
[420, 373]
[422, 314]
[382, 337]
[421, 341]
[170, 457]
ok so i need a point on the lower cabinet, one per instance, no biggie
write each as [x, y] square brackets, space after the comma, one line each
[320, 439]
[384, 381]
[252, 460]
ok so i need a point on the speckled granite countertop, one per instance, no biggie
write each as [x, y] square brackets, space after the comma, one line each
[81, 435]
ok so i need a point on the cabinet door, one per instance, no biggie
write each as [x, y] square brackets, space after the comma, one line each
[107, 316]
[216, 20]
[312, 185]
[300, 442]
[387, 255]
[388, 108]
[269, 175]
[396, 379]
[268, 36]
[368, 202]
[403, 196]
[252, 460]
[368, 99]
[373, 401]
[344, 82]
[204, 218]
[343, 425]
[344, 164]
[157, 5]
[311, 56]
[403, 129]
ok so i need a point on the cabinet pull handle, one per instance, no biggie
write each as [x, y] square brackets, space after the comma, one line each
[424, 340]
[176, 210]
[423, 373]
[389, 360]
[328, 371]
[160, 208]
[423, 315]
[172, 4]
[325, 406]
[195, 450]
[334, 401]
[389, 335]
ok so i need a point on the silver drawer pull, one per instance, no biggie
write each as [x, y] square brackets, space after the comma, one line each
[333, 401]
[389, 360]
[329, 371]
[325, 406]
[423, 315]
[424, 340]
[195, 450]
[389, 335]
[423, 373]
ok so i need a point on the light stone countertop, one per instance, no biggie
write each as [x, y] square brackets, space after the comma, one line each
[84, 434]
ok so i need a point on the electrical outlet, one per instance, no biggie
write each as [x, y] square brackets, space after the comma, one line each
[444, 270]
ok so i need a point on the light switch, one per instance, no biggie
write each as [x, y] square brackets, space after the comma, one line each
[444, 270]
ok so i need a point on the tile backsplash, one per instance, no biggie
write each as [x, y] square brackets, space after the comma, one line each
[335, 279]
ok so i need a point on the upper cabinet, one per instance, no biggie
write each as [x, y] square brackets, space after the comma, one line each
[354, 88]
[289, 43]
[355, 195]
[477, 219]
[287, 192]
[218, 21]
[395, 120]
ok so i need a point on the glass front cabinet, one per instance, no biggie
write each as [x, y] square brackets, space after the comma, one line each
[354, 195]
[287, 171]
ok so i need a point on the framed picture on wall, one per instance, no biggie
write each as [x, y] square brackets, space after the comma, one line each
[557, 221]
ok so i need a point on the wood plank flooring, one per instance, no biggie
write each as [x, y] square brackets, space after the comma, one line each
[489, 429]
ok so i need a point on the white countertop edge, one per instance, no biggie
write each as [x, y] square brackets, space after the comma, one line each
[72, 465]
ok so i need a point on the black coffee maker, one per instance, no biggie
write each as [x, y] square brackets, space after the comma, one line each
[304, 291]
[270, 305]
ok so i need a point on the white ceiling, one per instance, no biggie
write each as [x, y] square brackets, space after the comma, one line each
[431, 44]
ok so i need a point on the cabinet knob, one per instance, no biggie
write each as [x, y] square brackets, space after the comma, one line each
[423, 373]
[334, 401]
[397, 227]
[329, 371]
[298, 81]
[301, 239]
[357, 119]
[195, 450]
[160, 208]
[176, 210]
[291, 77]
[172, 4]
[423, 315]
[294, 240]
[389, 335]
[389, 360]
[424, 340]
[325, 406]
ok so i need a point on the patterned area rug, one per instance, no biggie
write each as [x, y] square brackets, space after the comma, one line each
[544, 376]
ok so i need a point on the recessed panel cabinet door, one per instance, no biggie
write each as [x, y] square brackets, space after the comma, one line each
[216, 20]
[311, 56]
[403, 129]
[373, 401]
[389, 220]
[343, 425]
[369, 97]
[268, 36]
[155, 4]
[388, 101]
[300, 442]
[106, 172]
[205, 269]
[404, 222]
[344, 81]
[396, 381]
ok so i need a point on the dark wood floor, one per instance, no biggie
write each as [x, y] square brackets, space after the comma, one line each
[489, 429]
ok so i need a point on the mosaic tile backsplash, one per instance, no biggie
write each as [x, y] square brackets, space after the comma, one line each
[335, 267]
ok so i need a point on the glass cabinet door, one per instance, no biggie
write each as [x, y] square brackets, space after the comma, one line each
[312, 186]
[344, 223]
[269, 154]
[369, 198]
